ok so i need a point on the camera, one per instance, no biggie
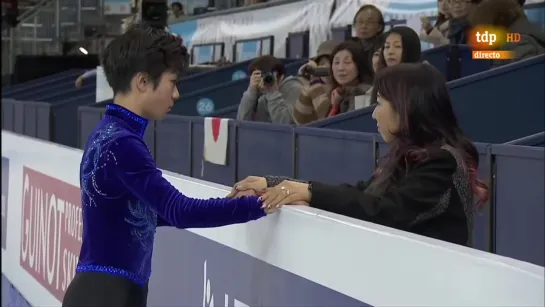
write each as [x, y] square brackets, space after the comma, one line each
[317, 72]
[268, 78]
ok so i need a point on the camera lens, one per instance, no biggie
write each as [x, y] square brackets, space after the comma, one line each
[268, 78]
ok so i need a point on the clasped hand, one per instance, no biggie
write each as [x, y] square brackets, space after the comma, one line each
[286, 193]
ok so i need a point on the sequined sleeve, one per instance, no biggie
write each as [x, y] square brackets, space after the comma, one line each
[136, 169]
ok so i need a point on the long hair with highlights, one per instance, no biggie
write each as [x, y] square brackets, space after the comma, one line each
[419, 94]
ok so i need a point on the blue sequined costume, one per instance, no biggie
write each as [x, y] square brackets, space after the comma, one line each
[125, 198]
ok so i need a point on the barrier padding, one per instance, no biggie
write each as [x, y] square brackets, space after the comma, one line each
[519, 202]
[501, 104]
[350, 155]
[173, 144]
[537, 140]
[265, 149]
[488, 105]
[69, 75]
[229, 112]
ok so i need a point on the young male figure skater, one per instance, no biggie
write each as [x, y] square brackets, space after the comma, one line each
[123, 194]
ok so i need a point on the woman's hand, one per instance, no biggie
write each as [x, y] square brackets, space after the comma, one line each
[426, 24]
[255, 183]
[287, 192]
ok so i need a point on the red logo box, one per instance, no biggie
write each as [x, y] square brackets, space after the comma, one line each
[51, 230]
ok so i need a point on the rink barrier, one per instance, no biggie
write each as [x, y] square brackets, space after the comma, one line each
[298, 257]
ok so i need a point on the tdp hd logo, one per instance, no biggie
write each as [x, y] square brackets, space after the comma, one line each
[208, 295]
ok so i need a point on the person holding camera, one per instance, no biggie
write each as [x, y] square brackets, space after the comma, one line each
[436, 34]
[316, 80]
[270, 95]
[350, 78]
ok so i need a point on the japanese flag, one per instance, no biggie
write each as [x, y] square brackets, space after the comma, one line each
[216, 136]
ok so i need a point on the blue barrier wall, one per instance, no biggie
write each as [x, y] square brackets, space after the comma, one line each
[537, 139]
[454, 61]
[11, 297]
[490, 105]
[69, 75]
[519, 202]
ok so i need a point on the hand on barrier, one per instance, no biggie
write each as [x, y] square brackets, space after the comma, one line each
[255, 183]
[253, 193]
[286, 193]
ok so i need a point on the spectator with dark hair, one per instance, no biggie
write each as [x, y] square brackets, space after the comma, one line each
[436, 34]
[459, 24]
[401, 45]
[509, 15]
[427, 182]
[375, 53]
[271, 94]
[368, 24]
[350, 76]
[176, 12]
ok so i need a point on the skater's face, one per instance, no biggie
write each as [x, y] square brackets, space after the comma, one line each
[159, 100]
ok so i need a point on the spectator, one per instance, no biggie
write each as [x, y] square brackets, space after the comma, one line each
[350, 76]
[176, 12]
[304, 111]
[271, 95]
[401, 45]
[458, 23]
[436, 34]
[508, 14]
[321, 60]
[375, 60]
[375, 53]
[369, 24]
[427, 182]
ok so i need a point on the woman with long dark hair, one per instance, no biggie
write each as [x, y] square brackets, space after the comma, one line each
[426, 184]
[401, 45]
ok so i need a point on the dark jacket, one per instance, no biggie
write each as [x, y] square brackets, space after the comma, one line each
[434, 199]
[457, 32]
[532, 41]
